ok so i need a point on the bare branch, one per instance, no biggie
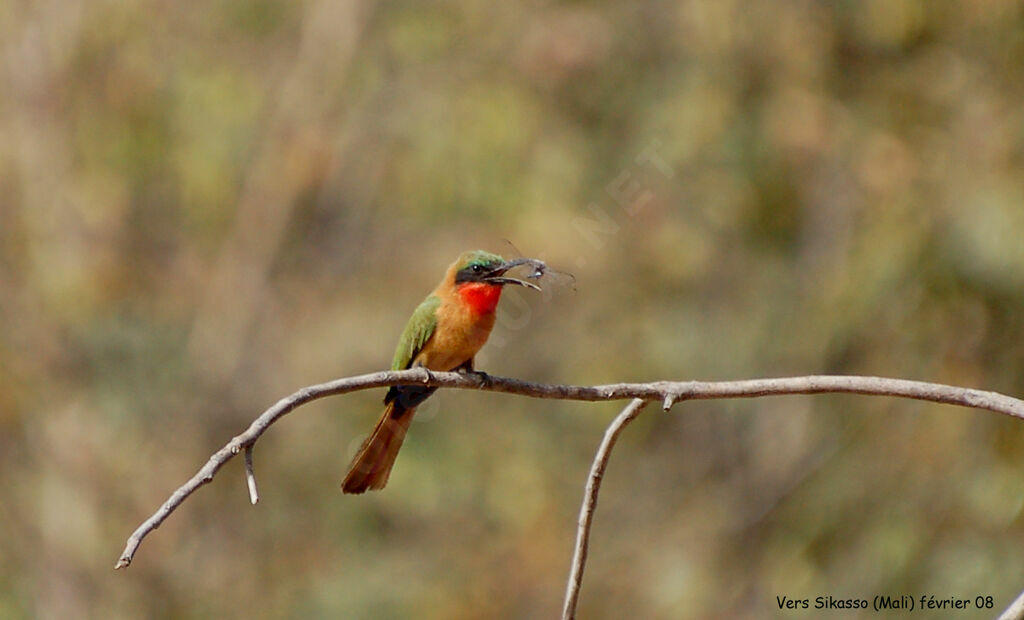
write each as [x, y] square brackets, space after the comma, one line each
[664, 391]
[604, 452]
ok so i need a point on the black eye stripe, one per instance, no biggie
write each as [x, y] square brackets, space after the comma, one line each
[474, 272]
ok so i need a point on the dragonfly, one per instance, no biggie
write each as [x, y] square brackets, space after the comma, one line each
[532, 271]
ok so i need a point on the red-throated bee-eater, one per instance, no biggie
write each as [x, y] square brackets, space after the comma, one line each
[444, 333]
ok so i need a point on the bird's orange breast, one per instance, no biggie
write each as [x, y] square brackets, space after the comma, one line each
[463, 325]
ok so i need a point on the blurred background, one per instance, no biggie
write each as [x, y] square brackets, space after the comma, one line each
[205, 206]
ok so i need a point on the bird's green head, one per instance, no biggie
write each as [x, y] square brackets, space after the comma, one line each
[487, 268]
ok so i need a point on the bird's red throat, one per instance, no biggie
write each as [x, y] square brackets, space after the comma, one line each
[480, 297]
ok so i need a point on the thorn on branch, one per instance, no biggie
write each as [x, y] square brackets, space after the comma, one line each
[250, 476]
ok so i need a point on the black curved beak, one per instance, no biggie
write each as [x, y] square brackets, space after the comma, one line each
[497, 274]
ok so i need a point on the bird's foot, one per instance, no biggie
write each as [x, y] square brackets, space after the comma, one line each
[428, 376]
[481, 376]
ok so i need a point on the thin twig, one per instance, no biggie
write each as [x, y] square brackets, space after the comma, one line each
[1015, 611]
[675, 391]
[579, 556]
[250, 477]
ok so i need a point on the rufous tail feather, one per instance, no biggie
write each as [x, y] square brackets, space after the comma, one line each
[371, 466]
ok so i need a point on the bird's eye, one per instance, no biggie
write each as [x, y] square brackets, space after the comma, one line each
[477, 268]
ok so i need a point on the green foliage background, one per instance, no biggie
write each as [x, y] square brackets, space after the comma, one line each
[204, 206]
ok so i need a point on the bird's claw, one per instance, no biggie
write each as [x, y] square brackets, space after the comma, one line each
[481, 376]
[428, 376]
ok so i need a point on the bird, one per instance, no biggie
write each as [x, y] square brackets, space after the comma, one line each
[444, 333]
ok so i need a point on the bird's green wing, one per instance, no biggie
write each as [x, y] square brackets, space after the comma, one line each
[419, 328]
